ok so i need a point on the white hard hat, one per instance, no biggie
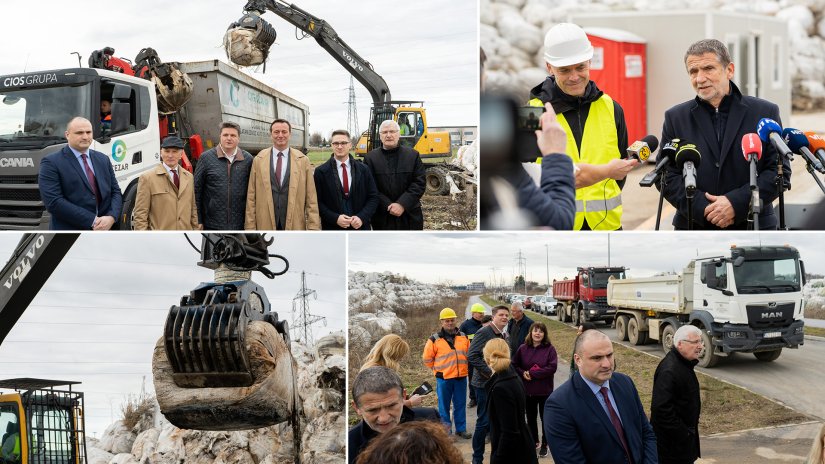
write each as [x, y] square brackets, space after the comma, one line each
[566, 44]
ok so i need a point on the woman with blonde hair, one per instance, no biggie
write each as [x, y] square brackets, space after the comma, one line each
[387, 352]
[817, 454]
[509, 436]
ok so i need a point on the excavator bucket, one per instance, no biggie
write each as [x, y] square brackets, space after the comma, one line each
[173, 86]
[206, 345]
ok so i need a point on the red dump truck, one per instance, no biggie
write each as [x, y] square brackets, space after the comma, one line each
[584, 297]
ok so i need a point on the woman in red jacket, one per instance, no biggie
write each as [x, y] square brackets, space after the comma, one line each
[536, 363]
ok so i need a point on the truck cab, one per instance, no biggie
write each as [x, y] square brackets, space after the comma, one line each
[412, 119]
[752, 300]
[40, 423]
[593, 293]
[34, 110]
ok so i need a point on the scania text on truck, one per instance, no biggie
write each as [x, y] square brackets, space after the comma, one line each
[748, 301]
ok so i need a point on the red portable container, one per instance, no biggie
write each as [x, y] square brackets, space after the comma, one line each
[620, 70]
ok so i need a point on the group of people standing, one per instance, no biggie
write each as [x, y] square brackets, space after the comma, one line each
[278, 189]
[594, 417]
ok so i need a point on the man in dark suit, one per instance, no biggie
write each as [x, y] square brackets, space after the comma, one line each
[715, 121]
[346, 191]
[78, 185]
[596, 417]
[400, 178]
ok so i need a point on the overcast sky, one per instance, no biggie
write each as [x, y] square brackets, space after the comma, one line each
[425, 50]
[463, 258]
[100, 314]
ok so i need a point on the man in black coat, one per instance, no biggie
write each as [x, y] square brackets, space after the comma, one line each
[344, 206]
[400, 178]
[378, 397]
[518, 327]
[221, 181]
[675, 407]
[715, 121]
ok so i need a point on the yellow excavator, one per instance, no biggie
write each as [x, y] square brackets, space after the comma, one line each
[223, 362]
[247, 43]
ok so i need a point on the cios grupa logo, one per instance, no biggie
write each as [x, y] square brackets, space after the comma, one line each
[119, 151]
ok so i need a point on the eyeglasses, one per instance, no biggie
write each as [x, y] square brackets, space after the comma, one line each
[388, 132]
[340, 144]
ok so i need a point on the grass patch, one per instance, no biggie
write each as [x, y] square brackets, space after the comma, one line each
[815, 331]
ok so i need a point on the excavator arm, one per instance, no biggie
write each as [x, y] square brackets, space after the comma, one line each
[328, 39]
[31, 264]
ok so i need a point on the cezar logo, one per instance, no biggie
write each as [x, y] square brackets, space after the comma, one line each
[234, 90]
[119, 151]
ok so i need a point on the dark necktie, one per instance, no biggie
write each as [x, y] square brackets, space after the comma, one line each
[175, 178]
[617, 424]
[345, 179]
[90, 176]
[278, 168]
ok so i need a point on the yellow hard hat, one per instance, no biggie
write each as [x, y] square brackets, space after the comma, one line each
[477, 308]
[447, 313]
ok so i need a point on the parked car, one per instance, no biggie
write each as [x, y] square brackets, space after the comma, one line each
[549, 305]
[538, 303]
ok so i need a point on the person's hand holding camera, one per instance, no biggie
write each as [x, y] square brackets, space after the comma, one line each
[551, 138]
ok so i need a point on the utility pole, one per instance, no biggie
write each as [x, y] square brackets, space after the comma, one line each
[352, 112]
[547, 254]
[608, 249]
[302, 319]
[521, 262]
[494, 269]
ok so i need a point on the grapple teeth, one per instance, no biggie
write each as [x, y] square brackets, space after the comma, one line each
[206, 345]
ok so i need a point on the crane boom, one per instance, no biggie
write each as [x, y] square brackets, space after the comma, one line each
[329, 40]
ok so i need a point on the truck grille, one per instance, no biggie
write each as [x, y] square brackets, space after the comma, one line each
[20, 202]
[601, 300]
[764, 316]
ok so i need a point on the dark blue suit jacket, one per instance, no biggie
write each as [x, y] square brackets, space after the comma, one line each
[722, 171]
[363, 193]
[580, 432]
[68, 196]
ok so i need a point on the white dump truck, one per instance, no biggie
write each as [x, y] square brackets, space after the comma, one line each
[746, 301]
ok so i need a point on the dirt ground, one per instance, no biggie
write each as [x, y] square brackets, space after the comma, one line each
[443, 212]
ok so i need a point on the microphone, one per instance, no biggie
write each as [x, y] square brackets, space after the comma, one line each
[798, 143]
[641, 149]
[688, 157]
[666, 156]
[817, 144]
[770, 130]
[752, 150]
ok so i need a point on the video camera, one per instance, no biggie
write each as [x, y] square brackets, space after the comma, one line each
[508, 133]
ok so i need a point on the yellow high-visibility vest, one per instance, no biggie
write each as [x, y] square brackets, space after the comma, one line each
[600, 203]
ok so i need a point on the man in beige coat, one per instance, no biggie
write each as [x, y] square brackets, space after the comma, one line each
[166, 195]
[281, 194]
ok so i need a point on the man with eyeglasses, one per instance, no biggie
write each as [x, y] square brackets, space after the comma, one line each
[675, 407]
[346, 191]
[399, 175]
[281, 193]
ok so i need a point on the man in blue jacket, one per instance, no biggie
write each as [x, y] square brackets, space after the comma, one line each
[347, 196]
[597, 417]
[78, 184]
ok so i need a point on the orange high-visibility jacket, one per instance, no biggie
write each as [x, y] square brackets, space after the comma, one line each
[446, 361]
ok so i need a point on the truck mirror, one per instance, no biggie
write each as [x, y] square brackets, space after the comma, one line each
[802, 268]
[120, 117]
[121, 92]
[738, 261]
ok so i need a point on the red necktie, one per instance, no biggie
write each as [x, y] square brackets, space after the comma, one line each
[90, 176]
[175, 178]
[278, 168]
[345, 179]
[617, 424]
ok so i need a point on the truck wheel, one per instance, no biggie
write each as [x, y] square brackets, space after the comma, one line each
[127, 215]
[582, 317]
[768, 356]
[667, 338]
[436, 178]
[621, 327]
[708, 358]
[560, 312]
[636, 336]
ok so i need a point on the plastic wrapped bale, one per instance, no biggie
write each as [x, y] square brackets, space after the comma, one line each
[241, 50]
[174, 88]
[269, 400]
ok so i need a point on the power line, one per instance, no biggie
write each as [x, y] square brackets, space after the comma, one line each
[352, 110]
[302, 319]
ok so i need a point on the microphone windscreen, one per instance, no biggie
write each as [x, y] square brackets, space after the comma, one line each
[751, 144]
[688, 152]
[652, 142]
[815, 140]
[765, 127]
[794, 139]
[669, 149]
